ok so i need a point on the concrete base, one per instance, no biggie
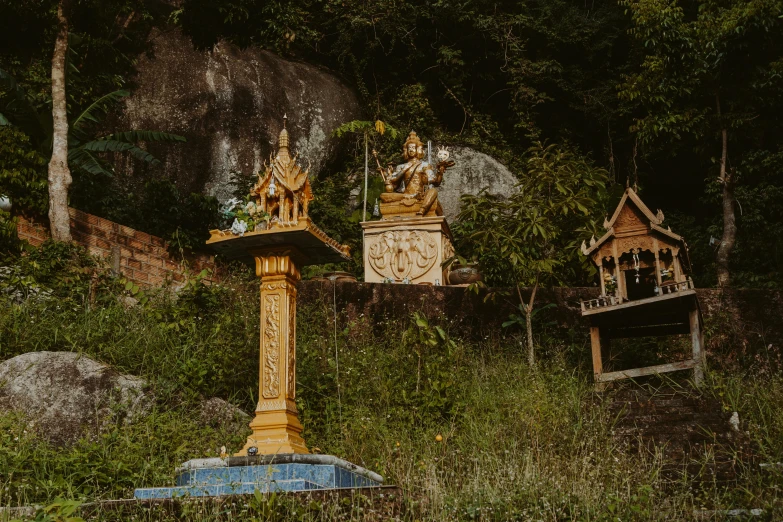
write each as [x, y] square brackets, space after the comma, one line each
[265, 473]
[407, 250]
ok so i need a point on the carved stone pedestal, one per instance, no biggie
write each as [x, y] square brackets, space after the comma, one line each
[276, 427]
[407, 250]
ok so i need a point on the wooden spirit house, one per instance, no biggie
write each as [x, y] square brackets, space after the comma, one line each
[646, 289]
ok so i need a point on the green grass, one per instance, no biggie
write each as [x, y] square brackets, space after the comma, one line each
[517, 444]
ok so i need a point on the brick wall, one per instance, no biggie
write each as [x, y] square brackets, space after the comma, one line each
[140, 257]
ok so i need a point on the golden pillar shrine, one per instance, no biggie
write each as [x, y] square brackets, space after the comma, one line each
[412, 239]
[273, 229]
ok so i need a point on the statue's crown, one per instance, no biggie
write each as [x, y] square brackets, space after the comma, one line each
[413, 138]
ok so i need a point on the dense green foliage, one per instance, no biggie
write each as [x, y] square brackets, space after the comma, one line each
[104, 41]
[528, 239]
[613, 79]
[517, 444]
[632, 85]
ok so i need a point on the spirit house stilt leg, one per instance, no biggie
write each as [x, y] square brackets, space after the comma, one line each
[276, 427]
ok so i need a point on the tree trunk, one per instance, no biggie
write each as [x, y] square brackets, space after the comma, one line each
[59, 174]
[729, 223]
[366, 175]
[528, 309]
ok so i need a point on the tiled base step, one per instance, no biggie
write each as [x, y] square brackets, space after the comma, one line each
[245, 475]
[247, 488]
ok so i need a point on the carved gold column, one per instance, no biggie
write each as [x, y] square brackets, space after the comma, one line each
[276, 427]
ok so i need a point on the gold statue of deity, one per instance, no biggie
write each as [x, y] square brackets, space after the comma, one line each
[410, 186]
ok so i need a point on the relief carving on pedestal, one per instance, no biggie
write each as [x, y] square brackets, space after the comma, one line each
[448, 248]
[271, 346]
[400, 254]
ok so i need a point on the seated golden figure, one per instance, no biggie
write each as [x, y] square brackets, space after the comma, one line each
[410, 187]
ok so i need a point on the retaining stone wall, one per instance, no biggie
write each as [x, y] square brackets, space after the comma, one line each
[749, 318]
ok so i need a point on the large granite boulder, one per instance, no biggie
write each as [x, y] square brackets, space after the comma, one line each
[65, 395]
[472, 172]
[229, 104]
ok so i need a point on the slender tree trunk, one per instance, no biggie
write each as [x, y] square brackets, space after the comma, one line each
[366, 175]
[729, 223]
[528, 309]
[59, 174]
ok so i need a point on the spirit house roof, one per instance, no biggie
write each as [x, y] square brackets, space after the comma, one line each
[632, 218]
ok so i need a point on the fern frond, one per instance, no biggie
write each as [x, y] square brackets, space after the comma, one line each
[353, 126]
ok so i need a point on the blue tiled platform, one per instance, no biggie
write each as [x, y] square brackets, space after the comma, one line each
[266, 473]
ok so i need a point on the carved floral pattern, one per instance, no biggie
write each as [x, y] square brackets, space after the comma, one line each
[271, 346]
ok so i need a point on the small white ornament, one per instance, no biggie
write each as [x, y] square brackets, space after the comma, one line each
[443, 154]
[238, 227]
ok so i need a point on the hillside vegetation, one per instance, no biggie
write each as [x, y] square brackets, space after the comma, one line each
[517, 443]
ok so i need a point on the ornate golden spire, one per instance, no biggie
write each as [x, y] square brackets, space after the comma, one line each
[282, 152]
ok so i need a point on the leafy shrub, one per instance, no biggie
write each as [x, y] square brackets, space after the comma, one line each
[65, 270]
[22, 173]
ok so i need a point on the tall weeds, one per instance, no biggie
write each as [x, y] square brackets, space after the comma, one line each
[514, 444]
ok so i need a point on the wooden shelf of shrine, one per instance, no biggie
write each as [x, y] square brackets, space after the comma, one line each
[311, 244]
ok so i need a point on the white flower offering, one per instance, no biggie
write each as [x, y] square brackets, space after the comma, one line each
[238, 227]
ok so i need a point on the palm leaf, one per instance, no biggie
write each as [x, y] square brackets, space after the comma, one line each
[134, 136]
[107, 145]
[98, 107]
[81, 159]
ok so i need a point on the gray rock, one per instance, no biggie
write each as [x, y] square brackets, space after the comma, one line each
[472, 172]
[65, 395]
[217, 413]
[229, 104]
